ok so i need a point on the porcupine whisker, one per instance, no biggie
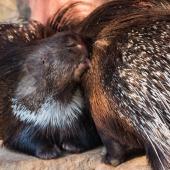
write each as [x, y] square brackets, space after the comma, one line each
[59, 17]
[63, 16]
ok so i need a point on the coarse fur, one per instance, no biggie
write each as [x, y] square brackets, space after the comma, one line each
[131, 69]
[41, 103]
[127, 86]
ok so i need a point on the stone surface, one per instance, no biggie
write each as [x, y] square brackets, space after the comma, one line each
[8, 10]
[12, 10]
[86, 161]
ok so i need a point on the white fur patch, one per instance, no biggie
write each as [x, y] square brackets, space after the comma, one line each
[51, 113]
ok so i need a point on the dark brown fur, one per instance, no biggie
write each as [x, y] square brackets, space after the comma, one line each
[17, 34]
[32, 71]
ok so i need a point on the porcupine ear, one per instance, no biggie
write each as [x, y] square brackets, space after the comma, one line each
[65, 19]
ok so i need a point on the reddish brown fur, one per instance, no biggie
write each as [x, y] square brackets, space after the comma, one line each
[112, 126]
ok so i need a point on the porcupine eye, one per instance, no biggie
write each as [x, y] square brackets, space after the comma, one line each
[74, 47]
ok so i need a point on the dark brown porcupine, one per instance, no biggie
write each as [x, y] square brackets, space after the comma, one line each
[42, 111]
[128, 84]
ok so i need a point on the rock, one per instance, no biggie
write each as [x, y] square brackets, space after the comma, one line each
[90, 160]
[8, 10]
[12, 10]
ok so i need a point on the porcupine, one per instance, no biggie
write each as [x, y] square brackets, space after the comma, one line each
[42, 110]
[127, 86]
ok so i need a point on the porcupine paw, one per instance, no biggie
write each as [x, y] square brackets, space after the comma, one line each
[108, 159]
[72, 148]
[48, 152]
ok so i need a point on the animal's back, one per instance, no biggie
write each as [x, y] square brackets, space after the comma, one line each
[129, 91]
